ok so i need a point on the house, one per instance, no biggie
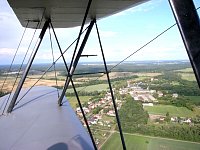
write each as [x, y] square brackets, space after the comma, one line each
[111, 113]
[147, 104]
[160, 94]
[174, 119]
[92, 121]
[85, 109]
[175, 95]
[187, 120]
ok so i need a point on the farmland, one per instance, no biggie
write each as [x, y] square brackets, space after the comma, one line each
[172, 110]
[73, 101]
[170, 88]
[140, 142]
[187, 74]
[91, 88]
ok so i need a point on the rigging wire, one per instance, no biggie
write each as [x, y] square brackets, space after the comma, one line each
[146, 44]
[143, 46]
[111, 91]
[21, 66]
[79, 35]
[9, 70]
[38, 24]
[133, 53]
[53, 59]
[48, 68]
[75, 91]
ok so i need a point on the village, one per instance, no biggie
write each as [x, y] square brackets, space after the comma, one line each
[97, 110]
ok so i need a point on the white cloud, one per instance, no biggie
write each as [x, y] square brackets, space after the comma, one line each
[6, 51]
[147, 6]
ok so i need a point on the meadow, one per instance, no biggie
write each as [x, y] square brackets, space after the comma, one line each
[187, 74]
[91, 88]
[195, 99]
[73, 101]
[173, 110]
[140, 142]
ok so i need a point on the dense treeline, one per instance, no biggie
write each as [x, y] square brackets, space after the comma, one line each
[84, 93]
[139, 66]
[95, 82]
[176, 131]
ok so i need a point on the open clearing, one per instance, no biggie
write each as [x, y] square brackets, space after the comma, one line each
[186, 70]
[187, 74]
[195, 99]
[91, 88]
[173, 110]
[140, 142]
[73, 101]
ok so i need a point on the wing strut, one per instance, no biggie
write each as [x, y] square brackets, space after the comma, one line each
[70, 73]
[22, 80]
[189, 26]
[71, 68]
[111, 91]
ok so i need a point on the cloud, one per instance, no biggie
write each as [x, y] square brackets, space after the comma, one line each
[6, 51]
[7, 55]
[145, 7]
[5, 16]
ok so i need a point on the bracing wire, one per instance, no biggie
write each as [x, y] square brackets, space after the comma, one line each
[49, 68]
[79, 35]
[79, 102]
[133, 53]
[14, 56]
[143, 46]
[21, 66]
[53, 59]
[111, 91]
[12, 65]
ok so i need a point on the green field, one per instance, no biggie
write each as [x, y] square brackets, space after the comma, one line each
[186, 70]
[91, 88]
[195, 99]
[73, 100]
[188, 76]
[173, 110]
[139, 142]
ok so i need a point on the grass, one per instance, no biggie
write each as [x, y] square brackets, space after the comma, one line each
[188, 76]
[186, 70]
[195, 99]
[173, 110]
[140, 142]
[73, 100]
[91, 88]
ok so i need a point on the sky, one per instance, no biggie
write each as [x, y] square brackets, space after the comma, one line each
[121, 35]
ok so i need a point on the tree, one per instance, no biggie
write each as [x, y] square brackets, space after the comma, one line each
[132, 114]
[168, 118]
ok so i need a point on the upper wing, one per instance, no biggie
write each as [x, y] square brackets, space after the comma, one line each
[66, 13]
